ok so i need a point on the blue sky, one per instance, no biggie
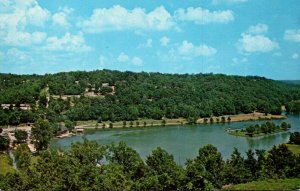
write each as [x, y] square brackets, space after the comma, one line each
[240, 37]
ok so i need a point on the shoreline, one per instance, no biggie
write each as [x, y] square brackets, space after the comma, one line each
[92, 124]
[179, 121]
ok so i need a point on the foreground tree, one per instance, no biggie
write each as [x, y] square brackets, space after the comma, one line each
[125, 156]
[206, 170]
[80, 168]
[235, 169]
[251, 165]
[164, 171]
[88, 152]
[23, 157]
[41, 134]
[280, 162]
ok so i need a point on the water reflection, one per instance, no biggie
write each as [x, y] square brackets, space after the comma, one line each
[268, 140]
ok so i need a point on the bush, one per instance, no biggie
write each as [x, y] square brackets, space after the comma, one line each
[295, 138]
[4, 143]
[21, 136]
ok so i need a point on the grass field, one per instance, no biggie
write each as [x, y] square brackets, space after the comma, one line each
[294, 148]
[279, 184]
[5, 164]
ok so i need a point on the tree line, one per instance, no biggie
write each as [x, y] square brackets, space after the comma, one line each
[266, 128]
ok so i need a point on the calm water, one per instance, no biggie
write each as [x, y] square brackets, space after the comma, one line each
[184, 141]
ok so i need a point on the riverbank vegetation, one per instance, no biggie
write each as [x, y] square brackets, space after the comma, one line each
[293, 106]
[127, 96]
[82, 168]
[260, 130]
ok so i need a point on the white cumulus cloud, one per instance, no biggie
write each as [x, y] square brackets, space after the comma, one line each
[16, 17]
[256, 43]
[16, 56]
[295, 56]
[69, 43]
[137, 61]
[61, 17]
[254, 40]
[164, 41]
[123, 57]
[236, 61]
[120, 18]
[37, 15]
[19, 38]
[186, 51]
[204, 16]
[292, 35]
[17, 14]
[147, 44]
[189, 50]
[258, 29]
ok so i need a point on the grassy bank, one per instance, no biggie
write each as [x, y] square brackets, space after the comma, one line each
[177, 121]
[294, 148]
[279, 184]
[5, 164]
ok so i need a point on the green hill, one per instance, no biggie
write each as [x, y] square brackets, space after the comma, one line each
[116, 96]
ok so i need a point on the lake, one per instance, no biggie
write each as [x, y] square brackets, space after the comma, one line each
[184, 141]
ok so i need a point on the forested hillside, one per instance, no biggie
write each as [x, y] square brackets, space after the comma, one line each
[296, 82]
[115, 96]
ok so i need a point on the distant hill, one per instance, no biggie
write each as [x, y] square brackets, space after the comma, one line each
[115, 95]
[295, 82]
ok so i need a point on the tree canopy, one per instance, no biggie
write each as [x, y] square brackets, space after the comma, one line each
[41, 134]
[124, 96]
[82, 168]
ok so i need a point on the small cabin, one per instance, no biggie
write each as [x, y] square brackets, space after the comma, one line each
[63, 130]
[105, 84]
[79, 130]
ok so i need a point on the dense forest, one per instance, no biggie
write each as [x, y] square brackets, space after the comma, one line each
[106, 95]
[83, 168]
